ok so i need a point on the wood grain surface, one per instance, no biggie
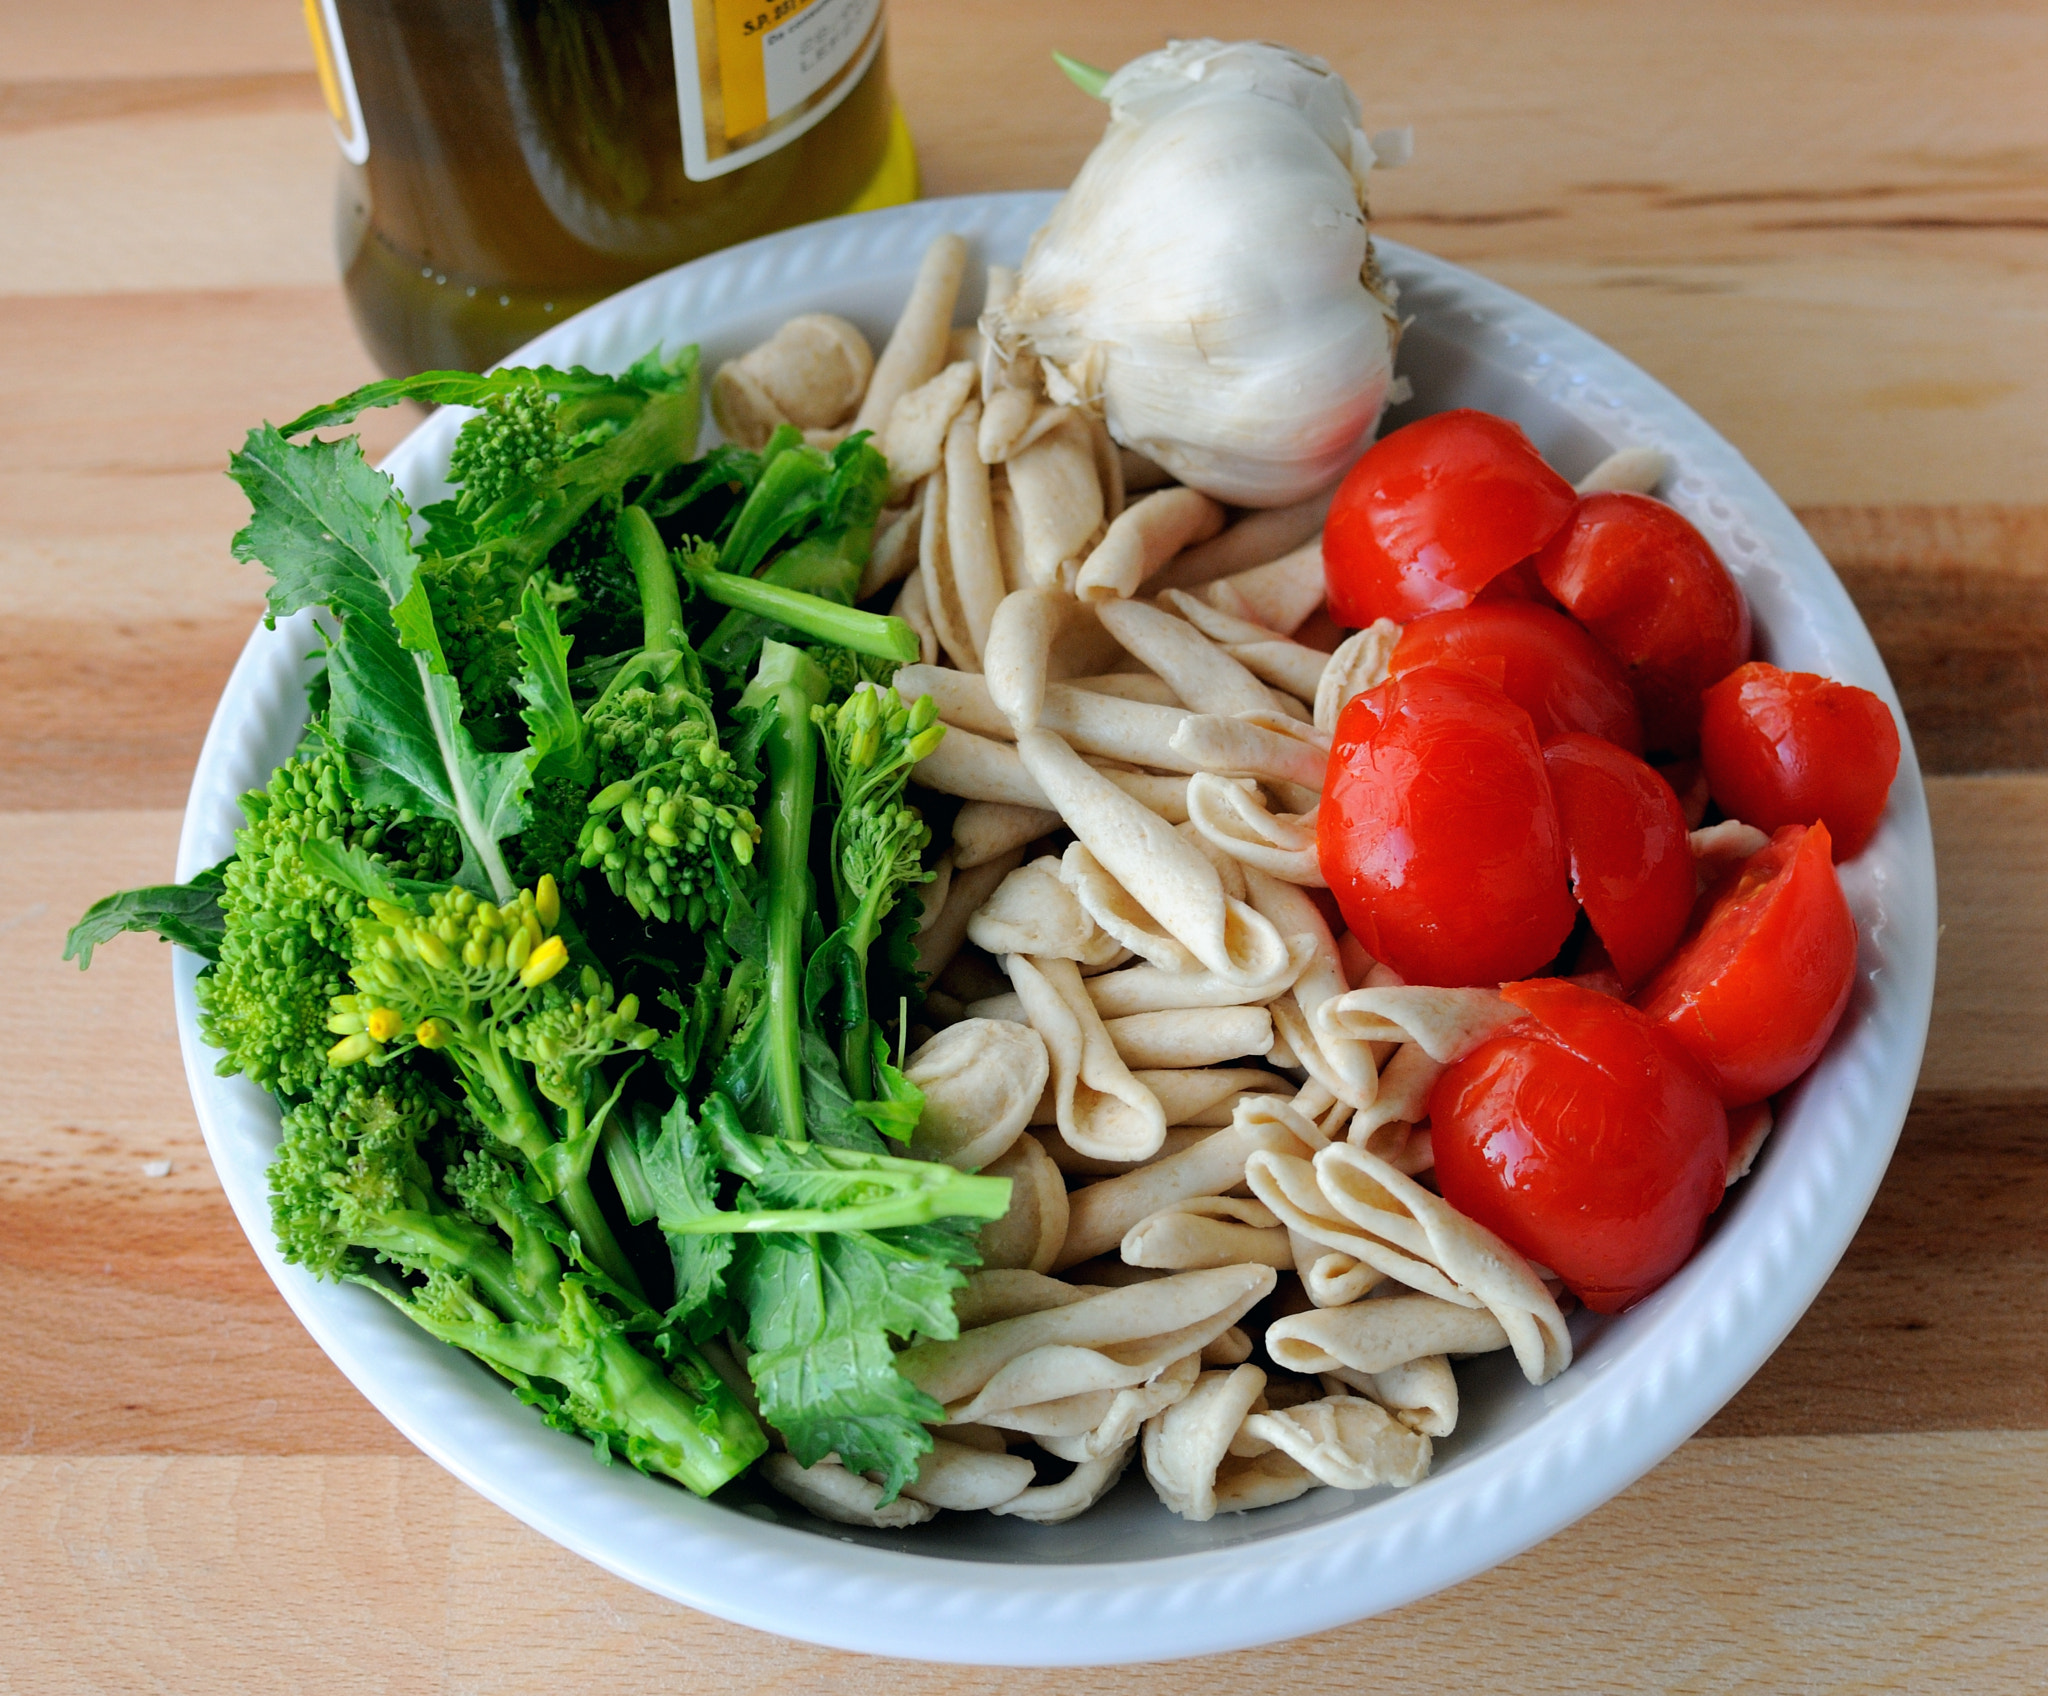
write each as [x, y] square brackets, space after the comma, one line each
[1825, 225]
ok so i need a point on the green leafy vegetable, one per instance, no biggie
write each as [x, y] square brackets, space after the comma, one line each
[353, 1186]
[831, 1253]
[185, 913]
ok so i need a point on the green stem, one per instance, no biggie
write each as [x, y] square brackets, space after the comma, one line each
[1085, 77]
[881, 635]
[786, 687]
[661, 603]
[568, 1169]
[460, 1246]
[662, 435]
[564, 1166]
[964, 1198]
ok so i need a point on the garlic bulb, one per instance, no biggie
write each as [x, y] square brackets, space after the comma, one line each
[1207, 282]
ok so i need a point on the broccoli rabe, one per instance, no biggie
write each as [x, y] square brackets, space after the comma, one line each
[286, 927]
[465, 980]
[514, 442]
[489, 1270]
[872, 740]
[831, 1252]
[672, 825]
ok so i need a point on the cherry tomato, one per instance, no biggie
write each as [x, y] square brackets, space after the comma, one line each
[1688, 780]
[1787, 747]
[1758, 987]
[1433, 513]
[1546, 664]
[1631, 863]
[1517, 583]
[1648, 587]
[1438, 835]
[1584, 1137]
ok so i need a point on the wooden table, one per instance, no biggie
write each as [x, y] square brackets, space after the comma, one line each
[1825, 225]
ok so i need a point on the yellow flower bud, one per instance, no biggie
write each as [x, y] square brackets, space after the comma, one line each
[383, 1024]
[544, 962]
[518, 948]
[547, 901]
[344, 1024]
[351, 1049]
[433, 1033]
[432, 950]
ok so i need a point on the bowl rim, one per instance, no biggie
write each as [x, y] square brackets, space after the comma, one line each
[1702, 1342]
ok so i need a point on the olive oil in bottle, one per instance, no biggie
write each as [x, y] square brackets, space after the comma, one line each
[508, 162]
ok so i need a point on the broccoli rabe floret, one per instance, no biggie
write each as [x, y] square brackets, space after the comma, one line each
[672, 816]
[512, 443]
[488, 1269]
[872, 740]
[282, 954]
[462, 980]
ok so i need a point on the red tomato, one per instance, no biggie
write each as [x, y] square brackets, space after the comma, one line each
[1438, 835]
[1787, 747]
[1585, 1137]
[1631, 863]
[1688, 782]
[1548, 666]
[1648, 587]
[1433, 513]
[1758, 988]
[1517, 583]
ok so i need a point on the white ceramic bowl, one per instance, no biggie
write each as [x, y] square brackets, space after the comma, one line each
[1128, 1581]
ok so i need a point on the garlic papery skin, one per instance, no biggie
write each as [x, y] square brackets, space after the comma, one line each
[1207, 283]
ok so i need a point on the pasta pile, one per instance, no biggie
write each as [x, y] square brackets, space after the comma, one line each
[1207, 1103]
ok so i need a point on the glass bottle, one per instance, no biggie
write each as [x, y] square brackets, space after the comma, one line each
[508, 162]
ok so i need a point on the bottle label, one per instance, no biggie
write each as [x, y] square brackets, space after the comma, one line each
[337, 81]
[753, 75]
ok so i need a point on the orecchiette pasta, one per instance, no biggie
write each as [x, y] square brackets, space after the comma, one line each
[1099, 1214]
[1188, 1451]
[1354, 1202]
[1346, 1441]
[831, 1492]
[1102, 1110]
[1280, 595]
[1258, 538]
[917, 347]
[1108, 1342]
[984, 829]
[1204, 677]
[1171, 881]
[1209, 1231]
[1143, 538]
[1028, 1237]
[1359, 664]
[1080, 1490]
[981, 1079]
[1033, 912]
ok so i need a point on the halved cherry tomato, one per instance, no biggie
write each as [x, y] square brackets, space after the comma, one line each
[1758, 988]
[1584, 1137]
[1787, 747]
[1433, 513]
[1546, 664]
[1631, 863]
[1438, 835]
[1652, 592]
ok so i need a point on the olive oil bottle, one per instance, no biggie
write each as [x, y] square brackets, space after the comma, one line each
[508, 162]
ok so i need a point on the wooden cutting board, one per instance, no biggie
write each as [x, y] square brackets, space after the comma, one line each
[1825, 225]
